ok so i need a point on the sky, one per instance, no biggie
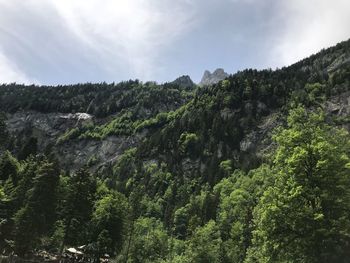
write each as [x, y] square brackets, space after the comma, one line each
[51, 42]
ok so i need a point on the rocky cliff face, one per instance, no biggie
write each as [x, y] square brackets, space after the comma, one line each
[47, 128]
[258, 143]
[251, 111]
[73, 154]
[213, 78]
[38, 118]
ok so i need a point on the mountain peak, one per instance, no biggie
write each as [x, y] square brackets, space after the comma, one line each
[184, 81]
[213, 78]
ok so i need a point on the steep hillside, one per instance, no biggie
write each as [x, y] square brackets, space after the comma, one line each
[52, 115]
[254, 168]
[229, 125]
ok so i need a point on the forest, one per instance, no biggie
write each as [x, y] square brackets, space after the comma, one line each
[194, 188]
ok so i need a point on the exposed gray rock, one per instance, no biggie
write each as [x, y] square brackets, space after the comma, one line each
[213, 78]
[248, 107]
[219, 152]
[227, 113]
[259, 143]
[189, 166]
[339, 105]
[73, 154]
[261, 108]
[45, 127]
[341, 61]
[248, 143]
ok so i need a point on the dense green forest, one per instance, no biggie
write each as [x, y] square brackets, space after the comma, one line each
[100, 99]
[190, 190]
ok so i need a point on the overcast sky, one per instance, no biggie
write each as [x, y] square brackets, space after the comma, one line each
[69, 41]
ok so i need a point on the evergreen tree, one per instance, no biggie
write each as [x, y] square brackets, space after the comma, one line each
[9, 167]
[4, 135]
[35, 219]
[77, 206]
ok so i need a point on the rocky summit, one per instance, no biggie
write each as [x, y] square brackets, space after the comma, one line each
[213, 78]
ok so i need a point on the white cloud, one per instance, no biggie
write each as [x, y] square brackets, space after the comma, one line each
[309, 26]
[132, 32]
[118, 37]
[9, 72]
[65, 41]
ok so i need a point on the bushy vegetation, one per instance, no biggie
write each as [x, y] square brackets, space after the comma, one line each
[125, 124]
[294, 207]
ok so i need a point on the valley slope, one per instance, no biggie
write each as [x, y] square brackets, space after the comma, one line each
[192, 167]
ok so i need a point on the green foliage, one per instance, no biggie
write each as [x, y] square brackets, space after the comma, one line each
[149, 241]
[304, 215]
[226, 166]
[36, 217]
[69, 135]
[205, 244]
[78, 197]
[188, 143]
[30, 147]
[9, 167]
[181, 221]
[316, 92]
[99, 99]
[4, 134]
[126, 124]
[109, 220]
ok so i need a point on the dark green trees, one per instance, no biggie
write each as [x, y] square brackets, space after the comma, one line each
[37, 215]
[4, 135]
[77, 201]
[8, 167]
